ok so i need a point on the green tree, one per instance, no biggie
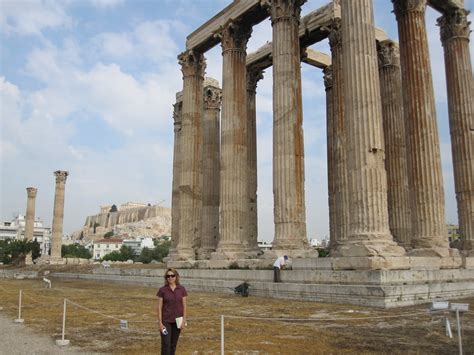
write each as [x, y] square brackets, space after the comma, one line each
[35, 250]
[124, 254]
[160, 251]
[75, 251]
[113, 208]
[15, 251]
[108, 234]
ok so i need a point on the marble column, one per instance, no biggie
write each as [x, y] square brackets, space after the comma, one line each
[395, 146]
[288, 145]
[253, 76]
[210, 168]
[341, 187]
[234, 182]
[369, 234]
[425, 179]
[58, 214]
[177, 111]
[328, 85]
[455, 39]
[190, 184]
[30, 218]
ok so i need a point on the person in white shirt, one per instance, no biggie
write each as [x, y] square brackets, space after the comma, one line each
[277, 266]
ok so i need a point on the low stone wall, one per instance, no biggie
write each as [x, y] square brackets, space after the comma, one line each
[385, 289]
[17, 274]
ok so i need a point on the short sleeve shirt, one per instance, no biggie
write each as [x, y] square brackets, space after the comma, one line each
[172, 302]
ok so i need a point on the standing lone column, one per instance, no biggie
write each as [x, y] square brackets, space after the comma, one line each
[288, 146]
[178, 107]
[210, 167]
[234, 182]
[58, 214]
[253, 76]
[369, 233]
[30, 218]
[395, 146]
[190, 199]
[455, 38]
[429, 233]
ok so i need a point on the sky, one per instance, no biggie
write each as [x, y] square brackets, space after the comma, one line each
[88, 86]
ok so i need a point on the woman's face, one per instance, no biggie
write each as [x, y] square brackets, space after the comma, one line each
[170, 277]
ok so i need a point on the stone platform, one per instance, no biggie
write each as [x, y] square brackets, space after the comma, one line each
[375, 288]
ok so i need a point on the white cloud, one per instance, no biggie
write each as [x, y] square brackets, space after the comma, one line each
[104, 4]
[31, 17]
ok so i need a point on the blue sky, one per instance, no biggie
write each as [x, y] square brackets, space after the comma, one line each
[88, 86]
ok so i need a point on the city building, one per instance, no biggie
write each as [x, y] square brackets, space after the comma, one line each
[15, 229]
[103, 247]
[139, 243]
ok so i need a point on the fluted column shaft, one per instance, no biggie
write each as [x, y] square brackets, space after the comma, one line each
[369, 233]
[423, 160]
[30, 212]
[328, 84]
[253, 76]
[234, 175]
[211, 170]
[341, 187]
[178, 106]
[190, 184]
[395, 146]
[288, 145]
[58, 214]
[455, 38]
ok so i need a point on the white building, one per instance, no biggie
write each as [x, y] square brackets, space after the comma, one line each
[103, 247]
[15, 229]
[265, 246]
[139, 243]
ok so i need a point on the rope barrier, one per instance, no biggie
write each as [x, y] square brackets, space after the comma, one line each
[91, 310]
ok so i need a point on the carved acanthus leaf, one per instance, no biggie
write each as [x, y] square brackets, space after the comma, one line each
[454, 24]
[192, 63]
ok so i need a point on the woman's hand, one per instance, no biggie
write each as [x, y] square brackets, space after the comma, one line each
[184, 324]
[160, 324]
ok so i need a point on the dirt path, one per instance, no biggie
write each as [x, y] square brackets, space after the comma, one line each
[18, 339]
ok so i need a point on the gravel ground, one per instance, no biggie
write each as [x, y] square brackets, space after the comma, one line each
[16, 339]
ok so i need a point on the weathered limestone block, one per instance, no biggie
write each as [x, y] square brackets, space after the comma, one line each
[58, 214]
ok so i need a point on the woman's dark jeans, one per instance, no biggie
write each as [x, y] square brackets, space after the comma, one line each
[170, 341]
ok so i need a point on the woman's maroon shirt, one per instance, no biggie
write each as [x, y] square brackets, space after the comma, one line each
[172, 302]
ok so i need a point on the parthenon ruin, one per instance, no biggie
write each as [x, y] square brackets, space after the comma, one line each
[386, 193]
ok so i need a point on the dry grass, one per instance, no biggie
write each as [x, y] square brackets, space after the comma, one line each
[402, 334]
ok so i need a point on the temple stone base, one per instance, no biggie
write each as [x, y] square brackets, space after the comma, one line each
[375, 288]
[369, 249]
[28, 259]
[292, 253]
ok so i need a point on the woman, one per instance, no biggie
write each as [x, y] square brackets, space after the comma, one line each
[171, 305]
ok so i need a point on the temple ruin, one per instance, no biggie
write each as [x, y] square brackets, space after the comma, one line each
[383, 146]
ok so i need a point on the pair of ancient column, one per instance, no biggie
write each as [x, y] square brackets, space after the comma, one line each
[58, 214]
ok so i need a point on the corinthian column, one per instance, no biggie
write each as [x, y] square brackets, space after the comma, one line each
[339, 180]
[30, 218]
[190, 199]
[58, 214]
[369, 234]
[455, 38]
[288, 146]
[210, 167]
[425, 179]
[395, 147]
[328, 84]
[177, 110]
[234, 181]
[253, 76]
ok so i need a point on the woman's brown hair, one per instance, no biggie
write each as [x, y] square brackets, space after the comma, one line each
[175, 272]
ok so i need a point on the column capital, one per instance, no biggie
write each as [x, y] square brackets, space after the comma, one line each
[284, 10]
[388, 53]
[402, 7]
[212, 97]
[328, 77]
[234, 36]
[61, 176]
[454, 25]
[31, 191]
[335, 34]
[192, 63]
[253, 76]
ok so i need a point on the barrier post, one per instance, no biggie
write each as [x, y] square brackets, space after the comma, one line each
[62, 341]
[19, 319]
[222, 334]
[459, 331]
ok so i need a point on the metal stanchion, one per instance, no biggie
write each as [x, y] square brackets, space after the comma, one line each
[19, 319]
[62, 341]
[222, 334]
